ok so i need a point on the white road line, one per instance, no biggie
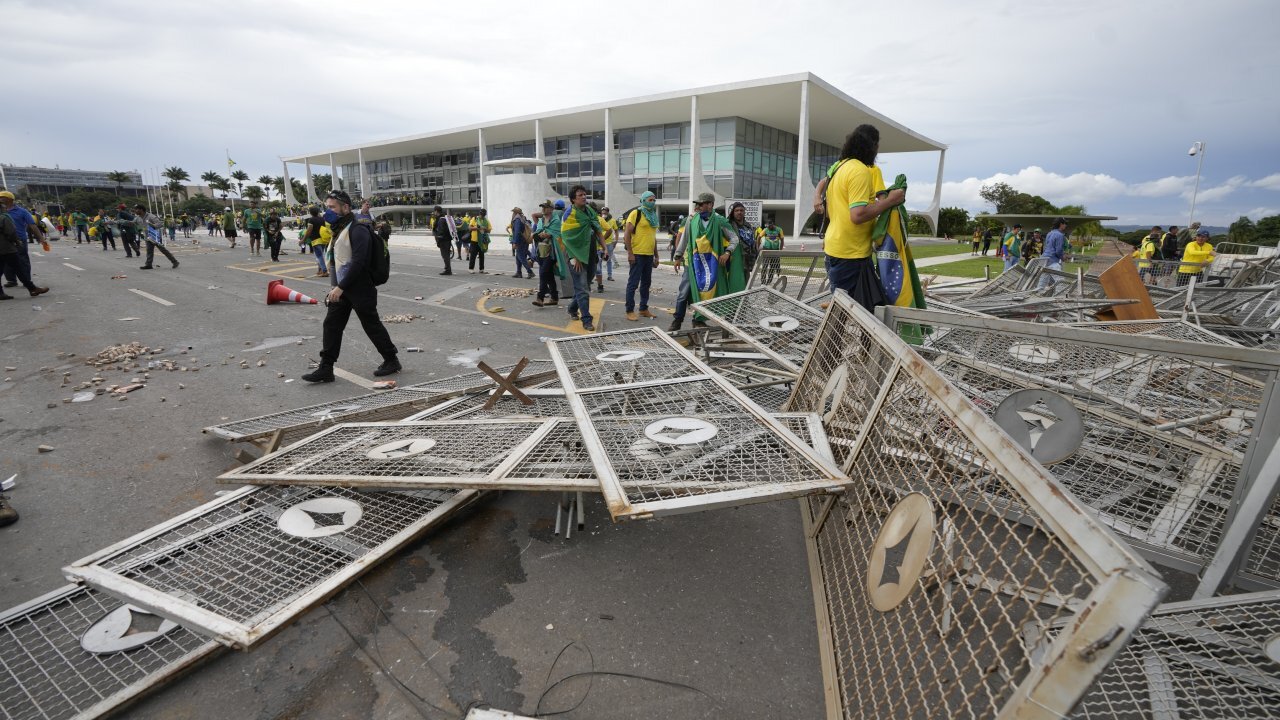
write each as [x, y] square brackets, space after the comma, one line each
[366, 384]
[74, 267]
[149, 296]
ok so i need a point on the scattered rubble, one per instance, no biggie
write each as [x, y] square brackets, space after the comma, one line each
[45, 449]
[508, 292]
[400, 318]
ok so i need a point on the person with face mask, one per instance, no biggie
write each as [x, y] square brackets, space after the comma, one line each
[317, 238]
[352, 289]
[640, 239]
[709, 258]
[545, 236]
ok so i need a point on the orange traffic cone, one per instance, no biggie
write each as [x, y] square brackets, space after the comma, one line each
[278, 293]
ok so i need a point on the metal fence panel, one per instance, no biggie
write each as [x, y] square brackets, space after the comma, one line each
[800, 274]
[685, 444]
[79, 653]
[949, 543]
[1220, 399]
[242, 566]
[469, 453]
[621, 358]
[1213, 659]
[1172, 329]
[372, 407]
[767, 320]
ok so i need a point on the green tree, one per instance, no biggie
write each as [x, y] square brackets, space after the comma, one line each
[90, 201]
[177, 175]
[253, 193]
[1242, 231]
[1268, 230]
[918, 226]
[221, 185]
[953, 220]
[241, 177]
[999, 195]
[210, 179]
[267, 183]
[119, 177]
[199, 204]
[323, 183]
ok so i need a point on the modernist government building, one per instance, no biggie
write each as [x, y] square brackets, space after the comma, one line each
[770, 140]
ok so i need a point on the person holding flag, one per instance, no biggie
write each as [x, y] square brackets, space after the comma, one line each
[579, 244]
[856, 199]
[898, 277]
[710, 255]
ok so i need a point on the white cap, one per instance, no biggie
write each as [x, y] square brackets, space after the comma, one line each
[226, 208]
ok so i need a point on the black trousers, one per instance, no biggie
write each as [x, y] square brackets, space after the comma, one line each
[473, 252]
[274, 241]
[364, 301]
[151, 252]
[130, 242]
[446, 252]
[547, 284]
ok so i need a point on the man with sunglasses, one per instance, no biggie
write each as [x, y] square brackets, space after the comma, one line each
[349, 257]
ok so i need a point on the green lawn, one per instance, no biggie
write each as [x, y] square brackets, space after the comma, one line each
[921, 252]
[972, 268]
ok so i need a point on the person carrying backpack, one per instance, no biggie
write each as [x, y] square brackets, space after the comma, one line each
[358, 263]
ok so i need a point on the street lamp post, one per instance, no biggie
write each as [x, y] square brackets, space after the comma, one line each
[1196, 150]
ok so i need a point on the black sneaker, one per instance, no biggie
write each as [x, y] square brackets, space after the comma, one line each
[588, 327]
[175, 264]
[573, 316]
[675, 325]
[323, 373]
[145, 267]
[8, 515]
[387, 367]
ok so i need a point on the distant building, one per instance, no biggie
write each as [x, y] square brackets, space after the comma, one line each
[57, 181]
[770, 139]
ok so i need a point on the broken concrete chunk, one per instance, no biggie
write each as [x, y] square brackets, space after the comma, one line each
[45, 448]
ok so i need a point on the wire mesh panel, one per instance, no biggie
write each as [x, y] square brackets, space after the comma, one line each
[547, 403]
[387, 405]
[78, 653]
[949, 542]
[620, 358]
[1214, 659]
[1006, 282]
[1172, 329]
[767, 320]
[241, 567]
[534, 372]
[800, 274]
[470, 453]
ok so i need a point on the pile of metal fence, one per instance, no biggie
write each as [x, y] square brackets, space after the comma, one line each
[988, 503]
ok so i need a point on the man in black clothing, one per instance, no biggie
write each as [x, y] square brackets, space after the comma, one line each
[352, 289]
[275, 234]
[1169, 249]
[446, 232]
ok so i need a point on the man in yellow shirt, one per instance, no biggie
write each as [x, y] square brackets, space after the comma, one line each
[855, 198]
[1197, 251]
[1147, 250]
[640, 238]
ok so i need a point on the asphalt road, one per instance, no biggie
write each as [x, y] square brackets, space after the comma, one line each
[719, 601]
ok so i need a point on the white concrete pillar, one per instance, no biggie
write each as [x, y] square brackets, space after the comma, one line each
[333, 174]
[365, 190]
[616, 197]
[484, 194]
[805, 187]
[311, 189]
[289, 197]
[697, 183]
[541, 154]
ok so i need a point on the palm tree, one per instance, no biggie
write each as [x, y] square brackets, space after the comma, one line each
[265, 182]
[277, 182]
[241, 177]
[322, 183]
[176, 174]
[220, 184]
[210, 179]
[253, 193]
[177, 188]
[119, 178]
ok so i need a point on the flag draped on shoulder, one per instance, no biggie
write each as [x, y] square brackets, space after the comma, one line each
[898, 276]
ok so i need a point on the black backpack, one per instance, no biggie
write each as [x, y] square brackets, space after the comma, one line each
[379, 254]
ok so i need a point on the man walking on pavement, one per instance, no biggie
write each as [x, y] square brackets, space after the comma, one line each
[275, 234]
[520, 243]
[580, 246]
[128, 233]
[1055, 249]
[640, 239]
[350, 262]
[253, 225]
[154, 227]
[81, 222]
[446, 232]
[229, 226]
[18, 269]
[545, 237]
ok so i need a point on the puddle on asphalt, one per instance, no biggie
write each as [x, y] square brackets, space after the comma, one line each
[279, 342]
[468, 358]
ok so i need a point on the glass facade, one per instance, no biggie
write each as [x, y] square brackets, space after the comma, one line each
[740, 158]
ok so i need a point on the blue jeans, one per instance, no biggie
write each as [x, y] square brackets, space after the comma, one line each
[682, 298]
[319, 251]
[1009, 261]
[581, 286]
[522, 259]
[639, 276]
[1048, 280]
[605, 262]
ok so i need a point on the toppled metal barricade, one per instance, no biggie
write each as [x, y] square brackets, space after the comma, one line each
[1171, 430]
[243, 566]
[949, 542]
[79, 653]
[767, 320]
[667, 434]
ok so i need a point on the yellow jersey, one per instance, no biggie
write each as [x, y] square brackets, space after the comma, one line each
[853, 185]
[644, 238]
[1195, 252]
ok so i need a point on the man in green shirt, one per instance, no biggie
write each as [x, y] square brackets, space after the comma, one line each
[1012, 246]
[81, 221]
[252, 217]
[229, 226]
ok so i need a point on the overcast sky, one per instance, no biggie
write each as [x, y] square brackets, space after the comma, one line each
[1081, 101]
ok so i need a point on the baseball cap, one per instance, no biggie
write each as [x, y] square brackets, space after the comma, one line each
[545, 204]
[1202, 233]
[7, 195]
[705, 197]
[559, 205]
[228, 208]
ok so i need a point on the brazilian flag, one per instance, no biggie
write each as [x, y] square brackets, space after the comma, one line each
[898, 275]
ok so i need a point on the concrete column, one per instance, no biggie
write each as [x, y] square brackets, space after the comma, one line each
[935, 209]
[365, 190]
[289, 197]
[540, 153]
[311, 190]
[697, 183]
[804, 181]
[616, 197]
[333, 174]
[484, 194]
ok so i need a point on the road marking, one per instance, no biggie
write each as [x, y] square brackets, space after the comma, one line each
[366, 384]
[74, 267]
[149, 296]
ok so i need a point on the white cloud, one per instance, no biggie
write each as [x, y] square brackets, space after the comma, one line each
[1270, 182]
[1214, 194]
[1164, 187]
[1260, 212]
